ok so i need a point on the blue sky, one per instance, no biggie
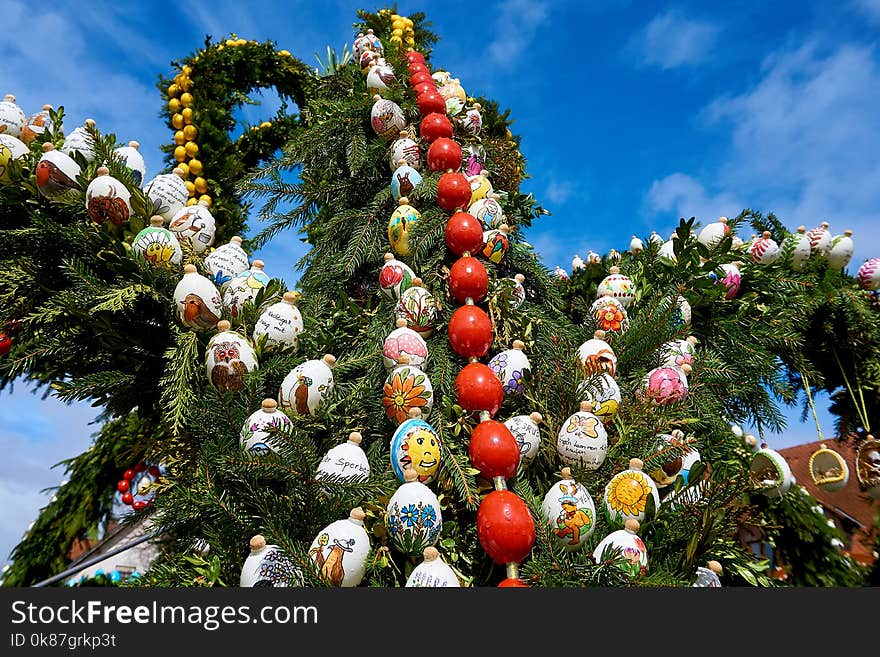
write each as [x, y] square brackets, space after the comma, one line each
[632, 114]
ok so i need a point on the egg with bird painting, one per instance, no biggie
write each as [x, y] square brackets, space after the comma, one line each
[197, 300]
[244, 288]
[228, 359]
[196, 225]
[307, 386]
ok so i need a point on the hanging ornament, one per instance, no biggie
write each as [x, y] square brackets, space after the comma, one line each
[798, 245]
[268, 566]
[167, 194]
[433, 572]
[654, 238]
[404, 180]
[478, 389]
[453, 89]
[620, 286]
[308, 385]
[244, 288]
[470, 331]
[518, 294]
[464, 234]
[505, 527]
[12, 148]
[569, 511]
[636, 245]
[404, 149]
[840, 251]
[626, 543]
[387, 118]
[602, 391]
[527, 433]
[228, 358]
[454, 105]
[196, 225]
[765, 250]
[36, 125]
[512, 367]
[680, 316]
[577, 264]
[416, 445]
[364, 43]
[828, 469]
[667, 385]
[133, 161]
[708, 577]
[402, 221]
[417, 306]
[444, 154]
[395, 277]
[468, 279]
[5, 344]
[481, 186]
[281, 323]
[713, 233]
[626, 495]
[493, 450]
[157, 245]
[676, 353]
[441, 77]
[379, 77]
[430, 102]
[820, 239]
[453, 191]
[57, 174]
[197, 300]
[732, 278]
[12, 117]
[107, 199]
[345, 462]
[582, 440]
[435, 126]
[770, 473]
[472, 121]
[257, 436]
[413, 517]
[226, 262]
[406, 387]
[673, 462]
[666, 254]
[488, 210]
[496, 243]
[419, 76]
[80, 141]
[139, 484]
[868, 466]
[339, 551]
[596, 355]
[403, 341]
[869, 274]
[610, 314]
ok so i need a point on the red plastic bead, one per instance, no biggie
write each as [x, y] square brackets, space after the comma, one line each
[493, 450]
[431, 101]
[478, 388]
[128, 474]
[505, 527]
[421, 77]
[5, 344]
[464, 233]
[512, 582]
[140, 467]
[453, 191]
[127, 498]
[470, 334]
[415, 56]
[468, 278]
[139, 505]
[444, 154]
[418, 67]
[123, 486]
[423, 87]
[434, 126]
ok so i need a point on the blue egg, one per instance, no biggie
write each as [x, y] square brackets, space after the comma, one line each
[403, 181]
[415, 444]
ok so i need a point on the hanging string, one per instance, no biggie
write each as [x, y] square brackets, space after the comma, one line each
[812, 406]
[861, 409]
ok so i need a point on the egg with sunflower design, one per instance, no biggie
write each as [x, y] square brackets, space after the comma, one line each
[406, 387]
[415, 444]
[402, 221]
[610, 314]
[513, 368]
[582, 440]
[603, 392]
[628, 493]
[412, 517]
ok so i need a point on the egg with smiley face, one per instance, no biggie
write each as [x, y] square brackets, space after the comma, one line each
[415, 445]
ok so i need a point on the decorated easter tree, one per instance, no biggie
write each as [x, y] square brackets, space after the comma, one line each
[431, 405]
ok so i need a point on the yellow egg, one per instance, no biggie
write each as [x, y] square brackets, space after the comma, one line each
[183, 167]
[186, 70]
[195, 166]
[408, 22]
[173, 90]
[191, 148]
[173, 105]
[396, 39]
[179, 138]
[396, 33]
[180, 153]
[185, 83]
[284, 53]
[201, 185]
[190, 132]
[187, 114]
[192, 200]
[177, 121]
[243, 42]
[190, 187]
[220, 47]
[230, 42]
[186, 99]
[177, 79]
[207, 199]
[265, 124]
[398, 24]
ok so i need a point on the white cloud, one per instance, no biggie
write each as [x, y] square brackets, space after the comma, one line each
[671, 40]
[516, 25]
[558, 191]
[679, 195]
[869, 8]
